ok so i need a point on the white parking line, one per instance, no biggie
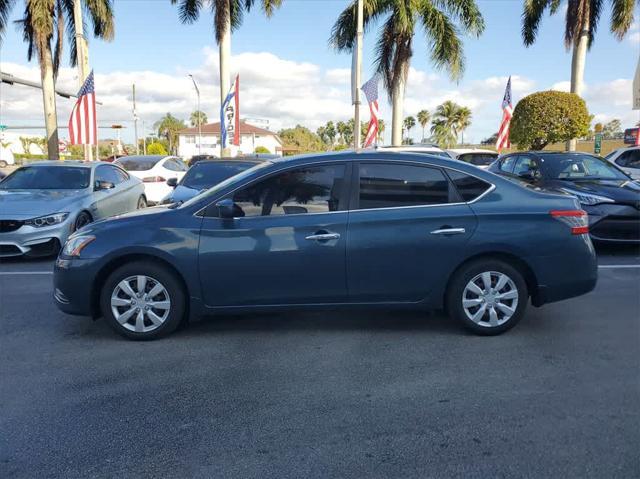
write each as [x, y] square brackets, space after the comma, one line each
[8, 273]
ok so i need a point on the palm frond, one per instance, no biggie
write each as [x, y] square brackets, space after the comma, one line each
[343, 32]
[393, 53]
[57, 51]
[268, 6]
[67, 6]
[5, 11]
[444, 40]
[188, 10]
[595, 10]
[531, 16]
[621, 17]
[101, 15]
[466, 12]
[578, 14]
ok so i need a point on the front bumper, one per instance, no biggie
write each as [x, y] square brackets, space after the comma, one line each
[72, 287]
[614, 223]
[31, 241]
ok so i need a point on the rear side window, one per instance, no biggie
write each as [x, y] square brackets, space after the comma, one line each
[391, 186]
[507, 163]
[469, 187]
[629, 159]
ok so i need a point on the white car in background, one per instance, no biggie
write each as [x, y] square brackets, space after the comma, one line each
[474, 156]
[6, 157]
[628, 159]
[154, 171]
[423, 148]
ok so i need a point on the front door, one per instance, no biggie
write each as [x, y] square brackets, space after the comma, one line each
[285, 245]
[407, 228]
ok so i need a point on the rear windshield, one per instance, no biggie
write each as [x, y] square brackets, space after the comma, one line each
[478, 159]
[205, 175]
[47, 178]
[578, 167]
[138, 163]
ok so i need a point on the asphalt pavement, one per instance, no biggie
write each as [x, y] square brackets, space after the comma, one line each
[330, 394]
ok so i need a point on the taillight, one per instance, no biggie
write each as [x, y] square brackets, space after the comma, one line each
[153, 179]
[577, 220]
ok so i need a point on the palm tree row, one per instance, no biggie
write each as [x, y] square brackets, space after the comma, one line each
[448, 121]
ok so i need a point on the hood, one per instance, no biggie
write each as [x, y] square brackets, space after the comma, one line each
[22, 204]
[130, 217]
[621, 191]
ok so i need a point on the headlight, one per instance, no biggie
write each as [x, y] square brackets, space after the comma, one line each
[588, 199]
[75, 244]
[48, 220]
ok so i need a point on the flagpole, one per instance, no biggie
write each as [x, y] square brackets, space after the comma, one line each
[82, 59]
[358, 67]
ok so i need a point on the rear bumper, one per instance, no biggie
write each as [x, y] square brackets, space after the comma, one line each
[614, 223]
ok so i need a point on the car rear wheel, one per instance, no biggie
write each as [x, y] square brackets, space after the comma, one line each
[143, 301]
[142, 202]
[82, 219]
[487, 296]
[3, 164]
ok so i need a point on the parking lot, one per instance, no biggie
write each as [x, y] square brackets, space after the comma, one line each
[349, 394]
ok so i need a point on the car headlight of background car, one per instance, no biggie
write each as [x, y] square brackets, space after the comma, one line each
[589, 199]
[75, 244]
[48, 220]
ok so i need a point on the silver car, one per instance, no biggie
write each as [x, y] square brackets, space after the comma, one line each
[44, 202]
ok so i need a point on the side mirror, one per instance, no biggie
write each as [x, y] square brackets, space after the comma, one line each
[529, 175]
[103, 185]
[225, 208]
[172, 182]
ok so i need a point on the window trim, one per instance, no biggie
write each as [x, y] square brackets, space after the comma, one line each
[344, 199]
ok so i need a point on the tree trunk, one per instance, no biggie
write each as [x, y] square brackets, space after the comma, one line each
[397, 97]
[49, 102]
[225, 56]
[577, 69]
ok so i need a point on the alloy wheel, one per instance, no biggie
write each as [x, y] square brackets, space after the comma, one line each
[140, 303]
[490, 299]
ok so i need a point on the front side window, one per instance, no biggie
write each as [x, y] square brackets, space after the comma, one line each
[507, 163]
[298, 191]
[397, 185]
[469, 187]
[107, 173]
[525, 164]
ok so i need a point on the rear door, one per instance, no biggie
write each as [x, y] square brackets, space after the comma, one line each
[407, 226]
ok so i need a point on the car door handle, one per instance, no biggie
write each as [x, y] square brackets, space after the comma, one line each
[323, 236]
[449, 231]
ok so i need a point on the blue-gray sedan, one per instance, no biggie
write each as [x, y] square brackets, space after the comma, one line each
[377, 229]
[43, 203]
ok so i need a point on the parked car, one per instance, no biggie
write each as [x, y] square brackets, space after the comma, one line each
[204, 175]
[42, 203]
[334, 230]
[196, 158]
[421, 148]
[2, 175]
[611, 198]
[6, 157]
[480, 158]
[154, 171]
[628, 159]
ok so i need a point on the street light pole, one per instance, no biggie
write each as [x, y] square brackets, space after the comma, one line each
[198, 116]
[356, 76]
[82, 51]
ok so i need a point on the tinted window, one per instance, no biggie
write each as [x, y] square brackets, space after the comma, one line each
[506, 164]
[175, 164]
[304, 190]
[577, 167]
[629, 159]
[138, 163]
[107, 173]
[469, 187]
[388, 186]
[47, 178]
[121, 174]
[524, 165]
[478, 159]
[205, 175]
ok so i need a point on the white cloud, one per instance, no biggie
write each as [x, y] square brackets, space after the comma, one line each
[286, 93]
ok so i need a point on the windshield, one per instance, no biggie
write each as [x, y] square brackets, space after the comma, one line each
[229, 181]
[138, 163]
[48, 178]
[205, 175]
[580, 167]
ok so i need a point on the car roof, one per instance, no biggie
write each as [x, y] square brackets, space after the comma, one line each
[144, 157]
[462, 151]
[221, 161]
[67, 163]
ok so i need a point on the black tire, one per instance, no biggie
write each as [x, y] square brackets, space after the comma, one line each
[82, 219]
[457, 292]
[3, 164]
[155, 272]
[142, 202]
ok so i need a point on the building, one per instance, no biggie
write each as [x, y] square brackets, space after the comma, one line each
[251, 137]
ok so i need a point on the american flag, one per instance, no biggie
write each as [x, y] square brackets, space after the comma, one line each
[507, 113]
[83, 127]
[370, 90]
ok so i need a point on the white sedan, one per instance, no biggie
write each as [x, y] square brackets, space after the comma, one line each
[154, 171]
[628, 159]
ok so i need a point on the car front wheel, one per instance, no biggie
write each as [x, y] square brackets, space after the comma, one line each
[143, 301]
[487, 296]
[142, 203]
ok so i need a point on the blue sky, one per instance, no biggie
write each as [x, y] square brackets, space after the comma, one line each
[150, 38]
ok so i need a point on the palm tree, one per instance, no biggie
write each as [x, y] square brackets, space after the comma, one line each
[381, 127]
[168, 127]
[198, 118]
[581, 23]
[409, 122]
[43, 28]
[463, 120]
[444, 126]
[227, 16]
[423, 118]
[443, 22]
[330, 131]
[343, 130]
